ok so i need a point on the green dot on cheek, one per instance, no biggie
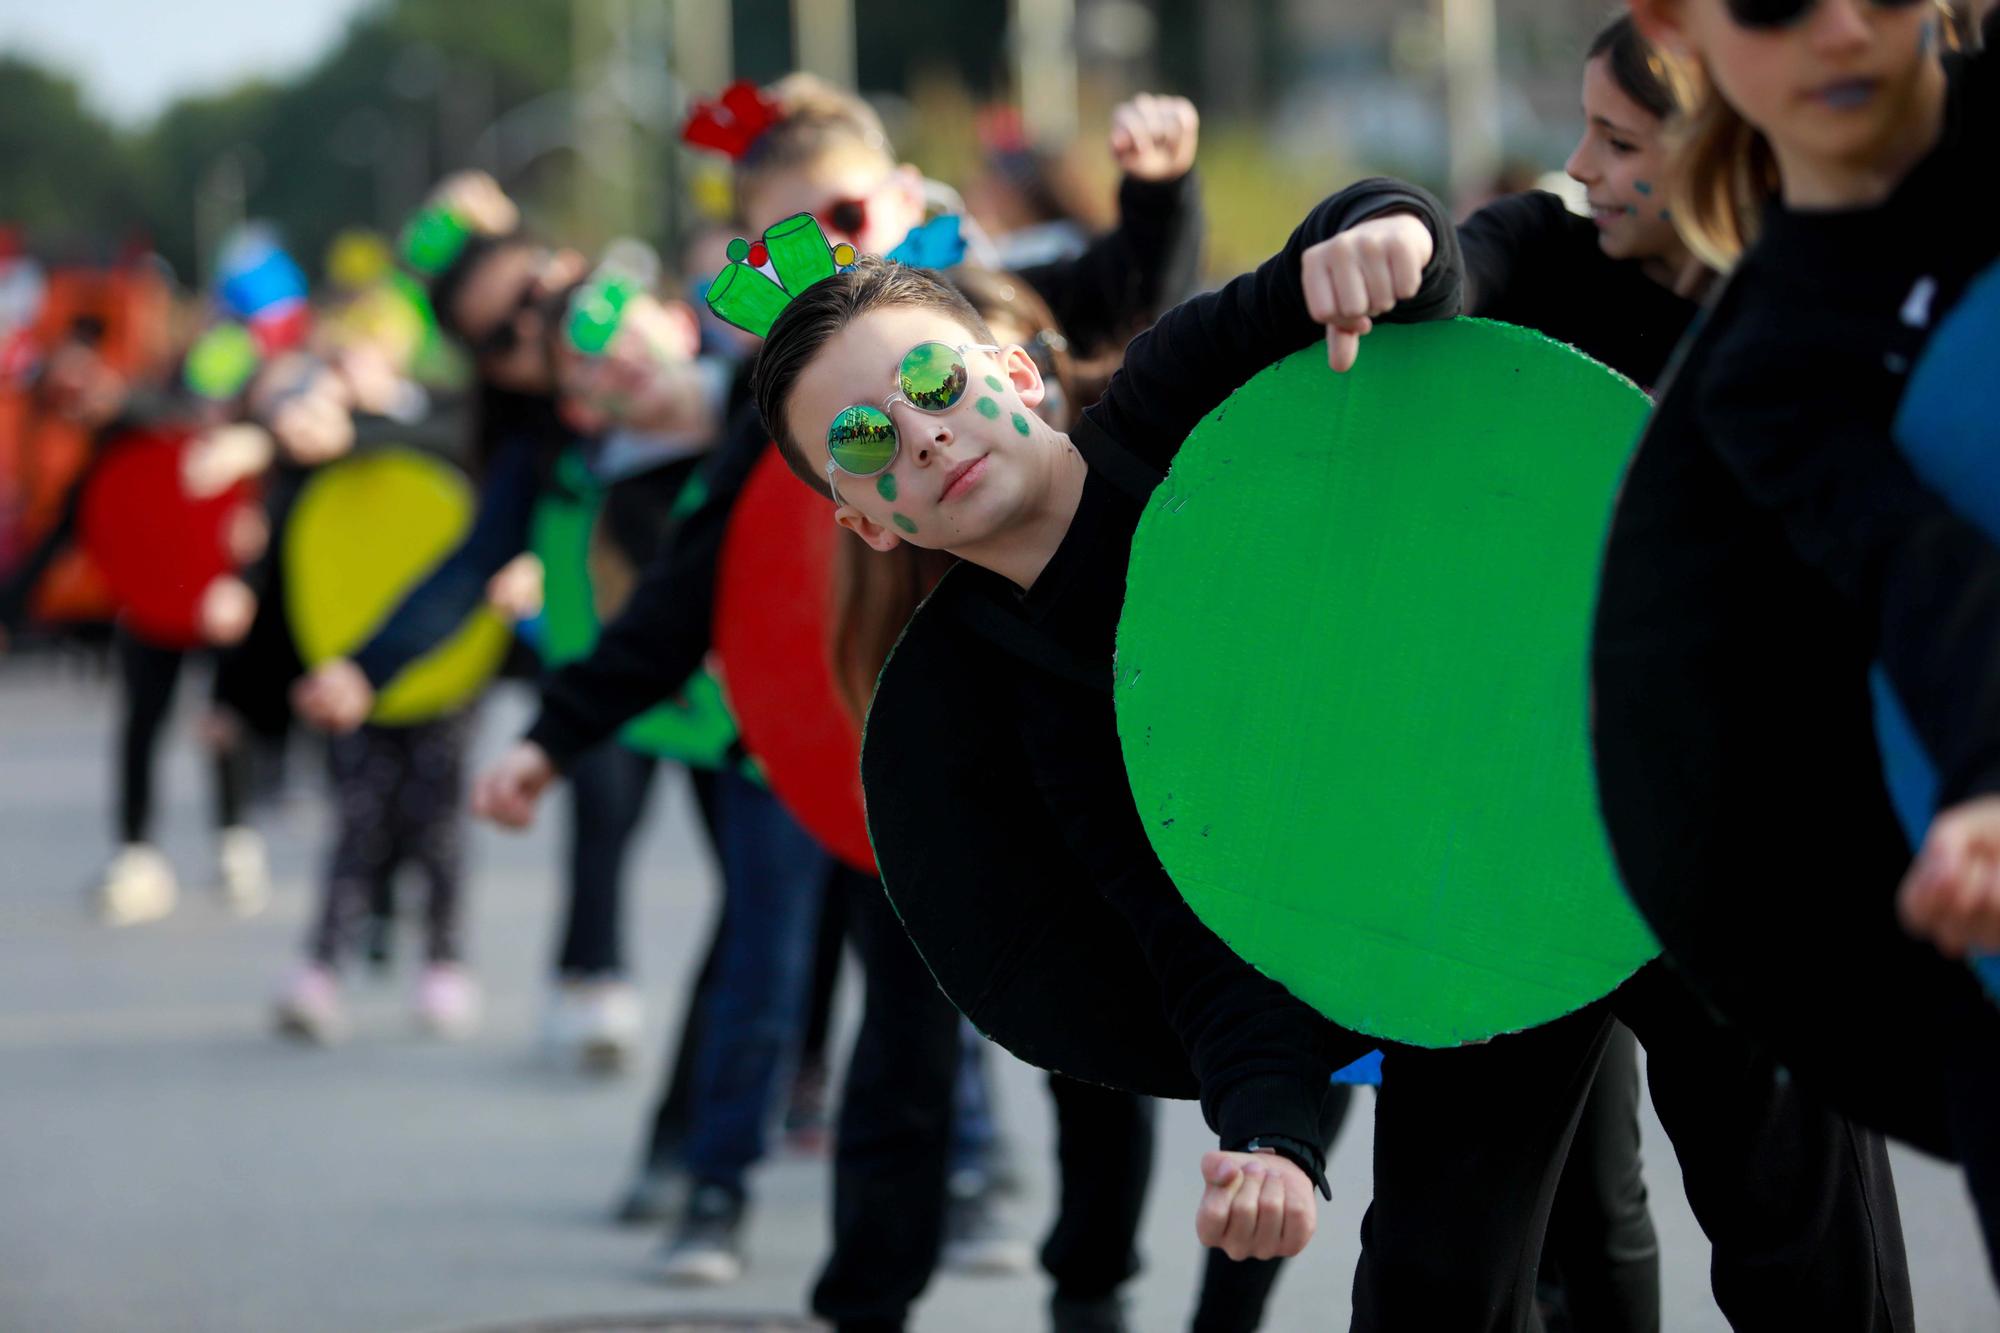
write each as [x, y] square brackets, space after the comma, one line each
[993, 383]
[903, 523]
[1020, 423]
[885, 486]
[989, 409]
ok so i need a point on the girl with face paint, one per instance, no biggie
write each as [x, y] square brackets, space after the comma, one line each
[1621, 285]
[1773, 547]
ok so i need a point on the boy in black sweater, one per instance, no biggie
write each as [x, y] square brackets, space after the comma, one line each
[1468, 1141]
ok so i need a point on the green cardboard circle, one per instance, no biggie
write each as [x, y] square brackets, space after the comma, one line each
[1352, 680]
[694, 728]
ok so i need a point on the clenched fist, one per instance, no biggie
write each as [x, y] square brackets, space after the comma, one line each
[1255, 1206]
[1153, 138]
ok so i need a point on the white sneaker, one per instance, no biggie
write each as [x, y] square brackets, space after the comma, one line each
[594, 1023]
[138, 886]
[447, 1001]
[309, 1009]
[243, 870]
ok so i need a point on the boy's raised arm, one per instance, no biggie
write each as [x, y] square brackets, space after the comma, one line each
[1333, 278]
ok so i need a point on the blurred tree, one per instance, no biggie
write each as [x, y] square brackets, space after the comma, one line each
[413, 89]
[64, 173]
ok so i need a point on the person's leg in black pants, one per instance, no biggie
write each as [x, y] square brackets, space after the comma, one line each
[1469, 1146]
[149, 674]
[1602, 1256]
[1235, 1292]
[894, 1130]
[1104, 1153]
[1797, 1201]
[805, 1110]
[651, 1195]
[608, 789]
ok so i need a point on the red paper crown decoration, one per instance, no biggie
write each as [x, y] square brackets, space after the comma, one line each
[732, 122]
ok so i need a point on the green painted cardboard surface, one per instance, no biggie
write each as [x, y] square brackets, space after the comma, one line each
[695, 728]
[1352, 676]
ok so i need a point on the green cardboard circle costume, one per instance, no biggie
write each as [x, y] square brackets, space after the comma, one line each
[694, 728]
[362, 534]
[1352, 677]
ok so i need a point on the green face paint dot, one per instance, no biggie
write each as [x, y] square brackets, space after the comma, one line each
[993, 382]
[903, 523]
[989, 409]
[885, 486]
[1020, 423]
[1643, 187]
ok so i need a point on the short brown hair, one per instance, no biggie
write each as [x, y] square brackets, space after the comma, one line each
[821, 311]
[814, 119]
[1635, 67]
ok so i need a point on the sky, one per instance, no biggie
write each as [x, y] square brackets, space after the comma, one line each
[133, 57]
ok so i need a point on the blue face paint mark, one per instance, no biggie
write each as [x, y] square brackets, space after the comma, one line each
[1643, 187]
[1927, 36]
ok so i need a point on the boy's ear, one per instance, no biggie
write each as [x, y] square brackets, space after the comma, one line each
[1025, 375]
[878, 536]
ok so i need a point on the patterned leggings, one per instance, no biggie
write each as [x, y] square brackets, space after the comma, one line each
[398, 792]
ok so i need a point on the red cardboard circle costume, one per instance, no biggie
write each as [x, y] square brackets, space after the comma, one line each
[773, 611]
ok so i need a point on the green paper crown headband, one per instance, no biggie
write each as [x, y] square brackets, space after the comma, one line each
[795, 251]
[432, 238]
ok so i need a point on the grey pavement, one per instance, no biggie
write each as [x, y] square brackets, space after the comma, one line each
[166, 1164]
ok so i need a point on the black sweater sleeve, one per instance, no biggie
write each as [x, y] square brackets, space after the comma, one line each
[439, 604]
[1128, 275]
[1926, 578]
[659, 640]
[1508, 240]
[1264, 1059]
[1202, 350]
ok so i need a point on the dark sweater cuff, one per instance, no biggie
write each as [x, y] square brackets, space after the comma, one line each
[1298, 1152]
[562, 742]
[1271, 1106]
[1137, 196]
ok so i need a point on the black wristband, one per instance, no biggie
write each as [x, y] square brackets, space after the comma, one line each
[1301, 1154]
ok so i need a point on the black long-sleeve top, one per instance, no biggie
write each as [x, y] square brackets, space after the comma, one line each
[1263, 1058]
[648, 652]
[1125, 277]
[1532, 262]
[1773, 543]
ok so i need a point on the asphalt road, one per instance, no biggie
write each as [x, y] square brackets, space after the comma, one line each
[167, 1164]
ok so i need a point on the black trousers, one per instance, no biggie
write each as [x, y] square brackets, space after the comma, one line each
[608, 788]
[148, 675]
[894, 1133]
[669, 1129]
[1798, 1203]
[1601, 1256]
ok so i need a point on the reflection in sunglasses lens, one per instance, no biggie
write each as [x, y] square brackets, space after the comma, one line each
[862, 440]
[933, 377]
